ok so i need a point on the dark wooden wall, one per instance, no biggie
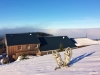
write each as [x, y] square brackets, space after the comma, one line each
[13, 50]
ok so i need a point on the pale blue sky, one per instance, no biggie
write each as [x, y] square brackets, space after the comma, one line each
[50, 14]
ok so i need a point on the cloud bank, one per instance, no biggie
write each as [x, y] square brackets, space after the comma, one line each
[92, 33]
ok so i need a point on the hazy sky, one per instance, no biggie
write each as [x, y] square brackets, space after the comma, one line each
[49, 14]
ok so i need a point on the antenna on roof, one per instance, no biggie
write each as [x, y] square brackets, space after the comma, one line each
[86, 33]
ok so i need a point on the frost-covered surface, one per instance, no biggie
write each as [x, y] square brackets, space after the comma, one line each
[85, 61]
[85, 41]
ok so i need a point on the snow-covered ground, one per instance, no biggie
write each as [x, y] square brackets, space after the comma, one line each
[85, 41]
[85, 61]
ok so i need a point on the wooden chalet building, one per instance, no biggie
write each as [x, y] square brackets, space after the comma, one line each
[31, 44]
[23, 43]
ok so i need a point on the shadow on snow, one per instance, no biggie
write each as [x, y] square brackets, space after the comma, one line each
[74, 60]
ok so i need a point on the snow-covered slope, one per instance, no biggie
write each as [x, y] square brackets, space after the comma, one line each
[85, 41]
[85, 61]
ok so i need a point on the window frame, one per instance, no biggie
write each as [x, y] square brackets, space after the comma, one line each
[27, 46]
[36, 46]
[19, 47]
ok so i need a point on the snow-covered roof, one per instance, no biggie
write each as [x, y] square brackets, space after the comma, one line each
[85, 41]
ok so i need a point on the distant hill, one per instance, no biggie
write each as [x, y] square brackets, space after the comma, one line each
[43, 34]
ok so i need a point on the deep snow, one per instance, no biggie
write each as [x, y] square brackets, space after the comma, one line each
[85, 61]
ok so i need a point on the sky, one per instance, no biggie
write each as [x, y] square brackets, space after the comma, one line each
[49, 14]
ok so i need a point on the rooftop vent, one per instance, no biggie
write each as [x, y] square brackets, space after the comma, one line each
[63, 37]
[30, 34]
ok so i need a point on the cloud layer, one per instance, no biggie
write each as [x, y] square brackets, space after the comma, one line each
[92, 33]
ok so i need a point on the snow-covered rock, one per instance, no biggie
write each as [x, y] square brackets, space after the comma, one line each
[4, 60]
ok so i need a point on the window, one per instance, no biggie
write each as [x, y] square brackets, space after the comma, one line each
[27, 46]
[36, 46]
[19, 48]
